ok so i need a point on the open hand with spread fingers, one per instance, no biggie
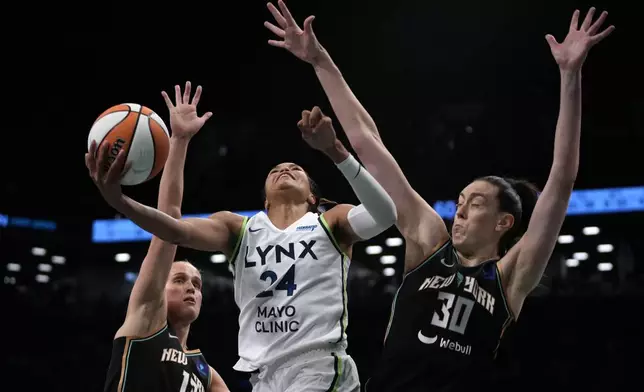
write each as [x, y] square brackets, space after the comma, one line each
[107, 176]
[184, 121]
[571, 53]
[301, 42]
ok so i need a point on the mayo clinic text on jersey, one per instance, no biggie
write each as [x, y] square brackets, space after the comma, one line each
[276, 319]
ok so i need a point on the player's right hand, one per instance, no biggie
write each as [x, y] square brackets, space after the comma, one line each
[107, 176]
[302, 43]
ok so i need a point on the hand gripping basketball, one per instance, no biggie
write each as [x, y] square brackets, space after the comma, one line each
[106, 176]
[317, 130]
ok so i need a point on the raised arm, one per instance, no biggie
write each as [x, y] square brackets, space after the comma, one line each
[421, 226]
[216, 233]
[146, 310]
[350, 224]
[536, 246]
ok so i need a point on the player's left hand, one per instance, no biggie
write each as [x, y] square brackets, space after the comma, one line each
[317, 130]
[184, 121]
[571, 53]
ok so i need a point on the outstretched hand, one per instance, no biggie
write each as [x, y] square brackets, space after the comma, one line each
[317, 130]
[184, 121]
[571, 53]
[302, 43]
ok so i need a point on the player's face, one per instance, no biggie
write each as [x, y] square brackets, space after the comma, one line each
[183, 292]
[478, 221]
[290, 179]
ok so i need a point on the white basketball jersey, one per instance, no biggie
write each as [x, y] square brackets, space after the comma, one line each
[290, 286]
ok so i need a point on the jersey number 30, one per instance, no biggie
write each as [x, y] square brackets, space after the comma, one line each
[456, 314]
[287, 282]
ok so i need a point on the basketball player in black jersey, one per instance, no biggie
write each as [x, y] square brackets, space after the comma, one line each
[460, 292]
[149, 351]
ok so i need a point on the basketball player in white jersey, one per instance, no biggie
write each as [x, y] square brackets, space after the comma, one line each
[290, 265]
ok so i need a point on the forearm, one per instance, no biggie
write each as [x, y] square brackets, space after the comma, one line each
[377, 211]
[353, 117]
[171, 186]
[363, 134]
[157, 223]
[568, 133]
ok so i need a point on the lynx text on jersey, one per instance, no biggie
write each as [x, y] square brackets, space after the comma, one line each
[278, 252]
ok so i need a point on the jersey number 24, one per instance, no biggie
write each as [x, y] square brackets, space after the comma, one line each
[287, 283]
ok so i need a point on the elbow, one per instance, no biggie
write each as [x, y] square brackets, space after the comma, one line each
[564, 175]
[385, 216]
[565, 170]
[389, 215]
[365, 140]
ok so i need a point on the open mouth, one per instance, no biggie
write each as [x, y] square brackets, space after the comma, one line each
[190, 301]
[285, 174]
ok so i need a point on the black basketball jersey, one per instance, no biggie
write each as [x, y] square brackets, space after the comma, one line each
[156, 363]
[446, 324]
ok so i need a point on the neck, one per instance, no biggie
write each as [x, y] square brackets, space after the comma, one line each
[283, 215]
[182, 331]
[481, 255]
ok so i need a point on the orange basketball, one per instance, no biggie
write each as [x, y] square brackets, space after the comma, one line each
[140, 132]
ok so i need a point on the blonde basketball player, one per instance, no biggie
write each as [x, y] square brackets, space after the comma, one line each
[149, 351]
[290, 265]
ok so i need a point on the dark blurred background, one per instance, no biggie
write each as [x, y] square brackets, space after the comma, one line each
[459, 89]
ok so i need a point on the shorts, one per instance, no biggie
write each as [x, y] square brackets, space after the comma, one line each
[315, 371]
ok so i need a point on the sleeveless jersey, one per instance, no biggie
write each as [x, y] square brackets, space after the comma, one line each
[446, 324]
[290, 286]
[156, 363]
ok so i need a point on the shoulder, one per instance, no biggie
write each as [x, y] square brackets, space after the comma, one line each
[227, 216]
[233, 221]
[217, 383]
[141, 327]
[337, 214]
[337, 223]
[415, 257]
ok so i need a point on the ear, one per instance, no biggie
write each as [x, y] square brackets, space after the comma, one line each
[505, 222]
[311, 199]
